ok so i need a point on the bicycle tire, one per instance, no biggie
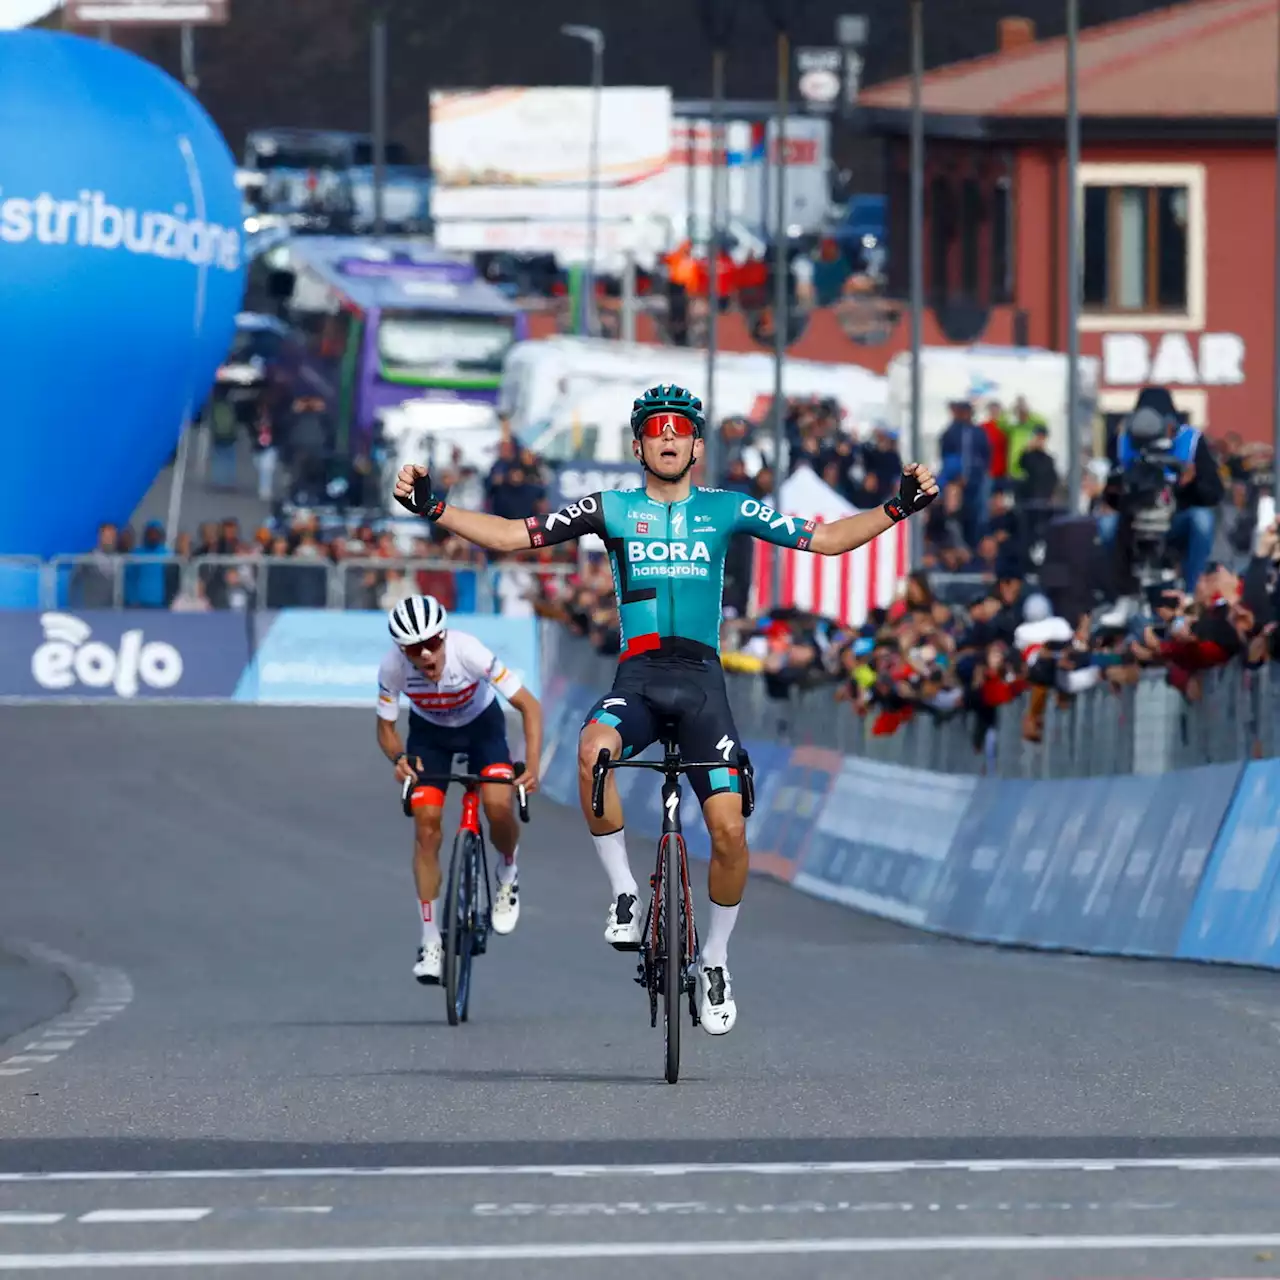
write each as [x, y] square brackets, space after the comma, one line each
[673, 948]
[459, 904]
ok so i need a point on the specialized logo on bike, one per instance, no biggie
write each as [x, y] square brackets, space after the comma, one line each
[669, 559]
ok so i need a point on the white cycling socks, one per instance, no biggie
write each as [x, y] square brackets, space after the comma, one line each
[613, 857]
[715, 946]
[507, 866]
[430, 925]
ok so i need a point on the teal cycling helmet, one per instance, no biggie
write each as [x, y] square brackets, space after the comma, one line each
[667, 398]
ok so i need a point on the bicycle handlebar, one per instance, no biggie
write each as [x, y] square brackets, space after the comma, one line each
[604, 762]
[468, 780]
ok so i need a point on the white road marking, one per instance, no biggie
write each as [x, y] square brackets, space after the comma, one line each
[30, 1219]
[785, 1169]
[103, 993]
[144, 1215]
[141, 1259]
[296, 1208]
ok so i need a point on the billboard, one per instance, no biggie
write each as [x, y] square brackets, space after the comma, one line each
[1236, 916]
[323, 657]
[883, 836]
[1108, 865]
[121, 655]
[499, 154]
[146, 13]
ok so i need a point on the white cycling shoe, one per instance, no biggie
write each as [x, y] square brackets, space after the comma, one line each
[430, 963]
[506, 906]
[717, 1011]
[623, 929]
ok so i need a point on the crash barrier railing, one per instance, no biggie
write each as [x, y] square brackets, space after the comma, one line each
[142, 581]
[1143, 728]
[1180, 864]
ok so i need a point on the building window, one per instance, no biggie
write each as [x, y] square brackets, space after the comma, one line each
[1143, 243]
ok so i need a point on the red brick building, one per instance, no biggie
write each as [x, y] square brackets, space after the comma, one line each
[1176, 191]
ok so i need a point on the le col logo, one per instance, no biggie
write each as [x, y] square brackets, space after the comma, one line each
[68, 656]
[768, 515]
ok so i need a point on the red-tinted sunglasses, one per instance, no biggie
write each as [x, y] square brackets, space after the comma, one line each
[430, 646]
[679, 424]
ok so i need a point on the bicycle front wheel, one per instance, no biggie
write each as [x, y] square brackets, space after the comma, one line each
[673, 947]
[459, 926]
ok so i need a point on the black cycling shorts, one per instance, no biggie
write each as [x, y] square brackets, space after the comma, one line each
[483, 742]
[692, 693]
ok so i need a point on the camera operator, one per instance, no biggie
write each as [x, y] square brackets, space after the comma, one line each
[1161, 460]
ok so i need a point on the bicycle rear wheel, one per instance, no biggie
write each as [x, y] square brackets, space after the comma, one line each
[459, 926]
[673, 951]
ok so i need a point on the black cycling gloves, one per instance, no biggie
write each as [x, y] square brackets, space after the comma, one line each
[909, 499]
[423, 501]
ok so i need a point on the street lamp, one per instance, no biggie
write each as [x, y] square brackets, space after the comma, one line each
[595, 38]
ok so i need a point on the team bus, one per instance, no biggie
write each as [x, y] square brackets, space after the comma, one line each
[388, 321]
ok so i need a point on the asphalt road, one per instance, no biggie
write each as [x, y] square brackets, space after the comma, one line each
[248, 1076]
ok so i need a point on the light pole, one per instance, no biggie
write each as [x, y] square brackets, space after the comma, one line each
[595, 38]
[916, 251]
[1073, 257]
[717, 24]
[378, 81]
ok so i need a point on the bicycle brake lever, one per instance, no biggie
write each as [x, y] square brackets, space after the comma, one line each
[522, 800]
[406, 803]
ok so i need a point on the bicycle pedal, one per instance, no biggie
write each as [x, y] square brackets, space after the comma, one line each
[625, 946]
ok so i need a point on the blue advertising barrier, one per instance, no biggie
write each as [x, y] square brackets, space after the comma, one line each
[882, 838]
[326, 657]
[121, 654]
[1236, 917]
[1103, 865]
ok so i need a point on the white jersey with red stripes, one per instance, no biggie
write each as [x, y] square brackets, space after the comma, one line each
[466, 686]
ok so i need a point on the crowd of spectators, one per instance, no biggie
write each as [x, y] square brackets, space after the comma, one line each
[968, 634]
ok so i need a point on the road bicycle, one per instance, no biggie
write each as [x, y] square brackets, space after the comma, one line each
[468, 898]
[668, 955]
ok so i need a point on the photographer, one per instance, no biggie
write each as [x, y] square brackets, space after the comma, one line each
[1157, 457]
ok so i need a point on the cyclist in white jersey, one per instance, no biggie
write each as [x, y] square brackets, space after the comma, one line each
[449, 679]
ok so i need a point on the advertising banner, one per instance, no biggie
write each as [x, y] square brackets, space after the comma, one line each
[1106, 865]
[499, 152]
[1236, 916]
[143, 654]
[326, 657]
[562, 718]
[146, 13]
[788, 804]
[572, 482]
[882, 838]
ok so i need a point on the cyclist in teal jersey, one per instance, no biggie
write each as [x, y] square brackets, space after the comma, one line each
[667, 545]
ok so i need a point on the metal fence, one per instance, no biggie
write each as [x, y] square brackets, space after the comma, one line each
[252, 582]
[1142, 728]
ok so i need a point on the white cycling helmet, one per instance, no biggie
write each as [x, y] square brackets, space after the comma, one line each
[417, 618]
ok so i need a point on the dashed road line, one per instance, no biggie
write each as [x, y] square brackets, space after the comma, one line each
[102, 993]
[95, 1216]
[30, 1219]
